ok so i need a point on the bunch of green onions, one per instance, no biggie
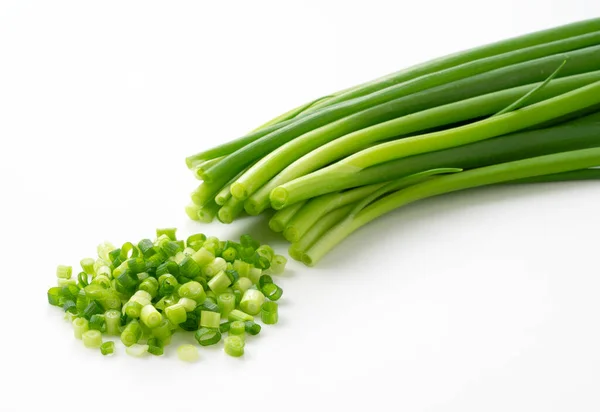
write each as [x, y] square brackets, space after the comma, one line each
[145, 292]
[525, 109]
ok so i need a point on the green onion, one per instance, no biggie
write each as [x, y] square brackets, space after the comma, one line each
[278, 264]
[112, 318]
[107, 348]
[537, 166]
[87, 265]
[209, 319]
[64, 272]
[175, 313]
[234, 346]
[468, 80]
[188, 304]
[80, 326]
[188, 353]
[219, 282]
[170, 232]
[251, 302]
[207, 336]
[92, 338]
[239, 315]
[132, 333]
[214, 267]
[252, 328]
[226, 303]
[97, 322]
[533, 115]
[269, 313]
[238, 328]
[162, 331]
[155, 347]
[242, 285]
[208, 211]
[183, 280]
[150, 316]
[137, 350]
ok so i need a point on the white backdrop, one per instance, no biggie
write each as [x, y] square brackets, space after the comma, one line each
[486, 300]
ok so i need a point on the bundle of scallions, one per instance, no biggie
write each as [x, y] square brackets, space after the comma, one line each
[525, 109]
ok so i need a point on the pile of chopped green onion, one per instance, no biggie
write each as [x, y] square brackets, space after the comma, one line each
[526, 109]
[144, 293]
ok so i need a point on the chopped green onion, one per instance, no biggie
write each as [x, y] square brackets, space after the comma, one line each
[107, 348]
[207, 336]
[269, 313]
[93, 308]
[162, 331]
[97, 322]
[70, 307]
[234, 346]
[229, 254]
[237, 327]
[188, 304]
[82, 279]
[203, 256]
[155, 347]
[150, 316]
[150, 285]
[132, 333]
[278, 264]
[254, 275]
[210, 305]
[210, 319]
[243, 284]
[252, 328]
[226, 303]
[64, 272]
[92, 338]
[189, 268]
[188, 353]
[242, 268]
[225, 326]
[219, 283]
[239, 315]
[80, 326]
[252, 301]
[112, 318]
[192, 290]
[176, 314]
[65, 282]
[87, 265]
[214, 267]
[169, 232]
[272, 291]
[137, 350]
[54, 296]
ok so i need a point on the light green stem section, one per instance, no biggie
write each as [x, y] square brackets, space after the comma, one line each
[472, 108]
[556, 107]
[504, 172]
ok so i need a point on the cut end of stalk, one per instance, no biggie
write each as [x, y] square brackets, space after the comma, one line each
[221, 200]
[225, 215]
[252, 207]
[276, 225]
[238, 190]
[205, 216]
[192, 211]
[291, 234]
[278, 197]
[295, 252]
[307, 260]
[199, 173]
